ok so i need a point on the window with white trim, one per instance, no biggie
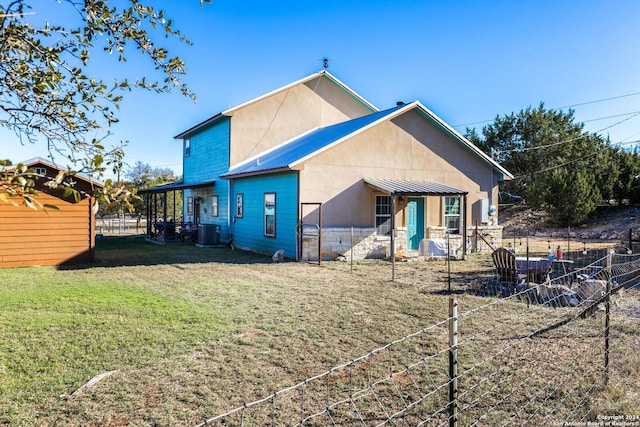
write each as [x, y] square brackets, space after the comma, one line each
[214, 205]
[452, 214]
[270, 214]
[187, 147]
[383, 215]
[239, 205]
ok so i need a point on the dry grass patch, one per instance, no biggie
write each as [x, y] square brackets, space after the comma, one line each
[195, 332]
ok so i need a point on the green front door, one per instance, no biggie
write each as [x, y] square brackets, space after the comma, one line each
[415, 223]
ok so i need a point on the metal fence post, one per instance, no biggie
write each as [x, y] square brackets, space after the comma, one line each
[607, 319]
[449, 262]
[352, 249]
[453, 362]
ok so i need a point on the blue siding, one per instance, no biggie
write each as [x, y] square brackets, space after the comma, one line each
[249, 230]
[208, 159]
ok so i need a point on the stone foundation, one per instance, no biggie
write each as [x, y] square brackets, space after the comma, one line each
[337, 242]
[488, 238]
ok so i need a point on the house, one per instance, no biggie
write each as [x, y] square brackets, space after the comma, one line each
[33, 237]
[316, 170]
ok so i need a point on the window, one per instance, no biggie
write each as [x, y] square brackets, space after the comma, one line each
[190, 205]
[452, 214]
[187, 147]
[214, 205]
[239, 208]
[40, 171]
[270, 214]
[383, 215]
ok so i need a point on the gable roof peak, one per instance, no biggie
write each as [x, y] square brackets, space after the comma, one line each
[322, 73]
[50, 164]
[230, 111]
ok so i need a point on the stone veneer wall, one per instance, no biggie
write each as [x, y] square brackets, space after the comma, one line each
[486, 240]
[481, 239]
[336, 242]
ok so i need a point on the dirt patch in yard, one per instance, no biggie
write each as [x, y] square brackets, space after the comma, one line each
[608, 223]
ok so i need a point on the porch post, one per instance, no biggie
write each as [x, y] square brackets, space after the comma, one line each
[393, 240]
[464, 226]
[164, 219]
[149, 196]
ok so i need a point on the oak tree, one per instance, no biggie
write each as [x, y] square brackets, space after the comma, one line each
[48, 94]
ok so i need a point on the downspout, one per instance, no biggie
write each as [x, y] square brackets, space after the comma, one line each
[230, 211]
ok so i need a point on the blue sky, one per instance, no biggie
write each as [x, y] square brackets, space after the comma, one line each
[467, 61]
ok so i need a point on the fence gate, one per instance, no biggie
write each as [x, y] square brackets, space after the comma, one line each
[309, 232]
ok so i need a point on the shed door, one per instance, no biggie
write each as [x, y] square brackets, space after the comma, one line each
[415, 223]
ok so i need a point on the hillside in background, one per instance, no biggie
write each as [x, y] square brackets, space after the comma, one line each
[608, 223]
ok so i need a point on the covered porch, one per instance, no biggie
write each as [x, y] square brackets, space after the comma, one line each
[412, 223]
[165, 210]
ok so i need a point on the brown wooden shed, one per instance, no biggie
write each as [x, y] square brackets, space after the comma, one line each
[31, 237]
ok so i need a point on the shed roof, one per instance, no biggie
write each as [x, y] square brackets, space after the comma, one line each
[413, 188]
[175, 186]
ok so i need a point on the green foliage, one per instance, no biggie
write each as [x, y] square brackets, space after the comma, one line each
[46, 92]
[557, 165]
[627, 184]
[568, 194]
[143, 175]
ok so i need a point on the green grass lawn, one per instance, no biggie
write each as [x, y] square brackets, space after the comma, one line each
[192, 332]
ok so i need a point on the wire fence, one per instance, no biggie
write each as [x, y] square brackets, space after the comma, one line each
[122, 224]
[526, 356]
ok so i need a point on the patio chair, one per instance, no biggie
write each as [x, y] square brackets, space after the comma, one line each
[506, 267]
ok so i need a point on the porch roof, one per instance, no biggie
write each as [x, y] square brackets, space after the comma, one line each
[175, 186]
[413, 188]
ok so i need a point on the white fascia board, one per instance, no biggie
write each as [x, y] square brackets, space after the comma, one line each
[230, 111]
[348, 89]
[263, 153]
[464, 140]
[386, 117]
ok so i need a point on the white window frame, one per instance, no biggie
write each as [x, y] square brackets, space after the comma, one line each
[269, 211]
[190, 205]
[187, 147]
[214, 205]
[450, 202]
[239, 205]
[382, 215]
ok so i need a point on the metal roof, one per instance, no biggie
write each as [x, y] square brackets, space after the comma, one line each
[175, 186]
[413, 188]
[285, 156]
[290, 154]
